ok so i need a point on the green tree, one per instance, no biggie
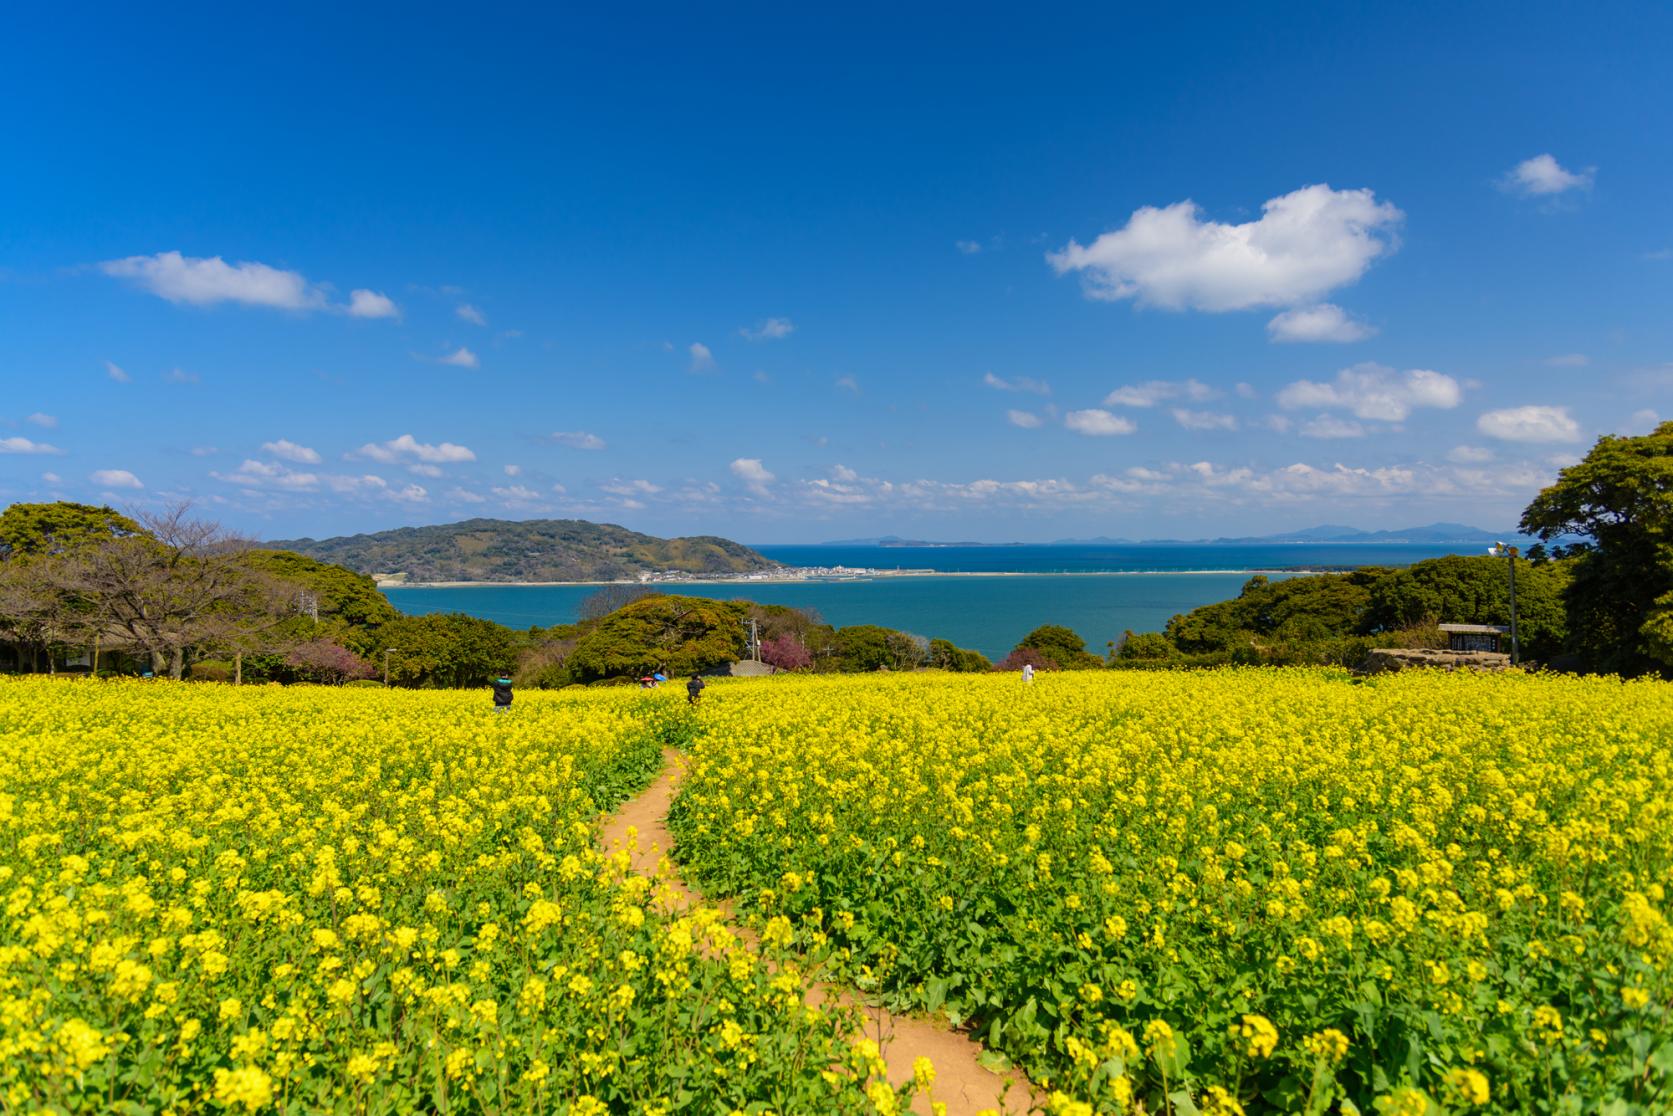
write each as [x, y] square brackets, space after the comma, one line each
[34, 530]
[864, 647]
[1619, 498]
[1146, 647]
[1267, 613]
[445, 649]
[1061, 648]
[333, 602]
[944, 655]
[1476, 590]
[676, 634]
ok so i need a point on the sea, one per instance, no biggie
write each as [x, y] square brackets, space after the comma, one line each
[982, 597]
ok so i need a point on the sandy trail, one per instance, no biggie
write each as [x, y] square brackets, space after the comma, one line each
[962, 1083]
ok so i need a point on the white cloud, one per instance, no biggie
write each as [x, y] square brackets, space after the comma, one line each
[115, 478]
[1028, 420]
[423, 470]
[24, 445]
[205, 451]
[1098, 423]
[967, 247]
[630, 488]
[1543, 176]
[290, 451]
[1329, 426]
[513, 470]
[773, 329]
[1306, 244]
[1324, 322]
[1569, 360]
[578, 439]
[1642, 422]
[371, 304]
[848, 383]
[1469, 455]
[1375, 391]
[49, 422]
[206, 281]
[517, 494]
[181, 376]
[754, 474]
[51, 478]
[1203, 420]
[471, 314]
[1532, 423]
[115, 372]
[1152, 392]
[465, 496]
[1021, 383]
[406, 446]
[701, 358]
[460, 358]
[264, 474]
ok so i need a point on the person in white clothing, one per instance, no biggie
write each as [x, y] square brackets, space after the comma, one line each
[1028, 672]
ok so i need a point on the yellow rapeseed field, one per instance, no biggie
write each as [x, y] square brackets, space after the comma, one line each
[1231, 891]
[305, 900]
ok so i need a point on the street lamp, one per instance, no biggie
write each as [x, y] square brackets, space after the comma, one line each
[1500, 550]
[386, 652]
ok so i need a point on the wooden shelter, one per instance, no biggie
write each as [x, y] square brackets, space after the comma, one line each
[1477, 637]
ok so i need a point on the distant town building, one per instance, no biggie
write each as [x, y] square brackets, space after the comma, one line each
[1477, 637]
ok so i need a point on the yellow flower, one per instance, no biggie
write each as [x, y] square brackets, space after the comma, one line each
[246, 1086]
[1257, 1036]
[81, 1044]
[1217, 1102]
[1470, 1085]
[1329, 1044]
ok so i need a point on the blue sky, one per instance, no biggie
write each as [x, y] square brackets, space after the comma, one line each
[791, 273]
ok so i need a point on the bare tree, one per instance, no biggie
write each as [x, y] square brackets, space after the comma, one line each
[182, 584]
[36, 614]
[608, 598]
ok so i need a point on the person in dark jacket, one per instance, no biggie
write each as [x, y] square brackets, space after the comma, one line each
[694, 690]
[502, 694]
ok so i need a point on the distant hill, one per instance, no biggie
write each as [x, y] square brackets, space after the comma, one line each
[527, 550]
[1433, 534]
[896, 540]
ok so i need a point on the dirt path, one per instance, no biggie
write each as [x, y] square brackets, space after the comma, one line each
[961, 1081]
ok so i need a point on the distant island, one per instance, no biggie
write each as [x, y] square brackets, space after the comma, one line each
[532, 550]
[1433, 534]
[897, 541]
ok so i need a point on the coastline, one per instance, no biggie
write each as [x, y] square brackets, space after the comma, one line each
[859, 576]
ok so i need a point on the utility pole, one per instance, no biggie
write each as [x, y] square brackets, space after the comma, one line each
[1500, 550]
[386, 652]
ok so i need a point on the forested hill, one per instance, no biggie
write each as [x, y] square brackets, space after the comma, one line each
[527, 550]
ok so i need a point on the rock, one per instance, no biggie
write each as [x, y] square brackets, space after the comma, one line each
[1381, 660]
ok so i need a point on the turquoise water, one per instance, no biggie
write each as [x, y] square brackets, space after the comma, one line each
[987, 613]
[1111, 589]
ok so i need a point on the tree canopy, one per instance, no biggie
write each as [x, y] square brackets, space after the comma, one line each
[30, 530]
[671, 633]
[1619, 497]
[1061, 648]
